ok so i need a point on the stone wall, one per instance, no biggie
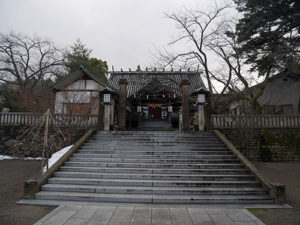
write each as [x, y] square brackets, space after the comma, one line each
[276, 144]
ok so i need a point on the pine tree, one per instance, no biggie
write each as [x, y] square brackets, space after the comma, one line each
[269, 33]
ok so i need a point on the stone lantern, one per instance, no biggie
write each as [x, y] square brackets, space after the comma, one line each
[201, 94]
[107, 94]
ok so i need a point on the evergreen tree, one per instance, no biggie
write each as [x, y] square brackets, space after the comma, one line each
[80, 55]
[269, 33]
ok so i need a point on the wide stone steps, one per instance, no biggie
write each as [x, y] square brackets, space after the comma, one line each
[153, 190]
[154, 167]
[144, 198]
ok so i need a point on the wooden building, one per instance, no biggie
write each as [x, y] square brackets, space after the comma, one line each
[138, 97]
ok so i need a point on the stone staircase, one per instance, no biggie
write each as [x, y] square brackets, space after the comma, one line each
[154, 167]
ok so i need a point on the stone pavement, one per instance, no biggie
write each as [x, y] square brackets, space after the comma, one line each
[112, 215]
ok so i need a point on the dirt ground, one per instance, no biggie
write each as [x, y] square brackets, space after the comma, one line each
[13, 173]
[287, 173]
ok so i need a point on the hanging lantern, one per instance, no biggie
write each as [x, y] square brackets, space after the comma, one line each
[147, 97]
[174, 95]
[170, 109]
[163, 96]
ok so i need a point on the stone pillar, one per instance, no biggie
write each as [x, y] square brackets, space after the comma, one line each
[122, 104]
[201, 118]
[207, 112]
[106, 116]
[100, 112]
[185, 90]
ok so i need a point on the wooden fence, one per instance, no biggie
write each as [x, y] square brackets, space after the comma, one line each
[62, 120]
[255, 121]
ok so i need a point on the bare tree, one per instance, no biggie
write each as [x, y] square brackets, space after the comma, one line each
[27, 61]
[210, 41]
[198, 28]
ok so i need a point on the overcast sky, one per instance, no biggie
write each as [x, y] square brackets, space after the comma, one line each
[122, 32]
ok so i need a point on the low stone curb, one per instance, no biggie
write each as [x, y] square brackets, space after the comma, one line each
[33, 186]
[276, 191]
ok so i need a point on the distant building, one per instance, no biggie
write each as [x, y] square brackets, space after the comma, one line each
[280, 96]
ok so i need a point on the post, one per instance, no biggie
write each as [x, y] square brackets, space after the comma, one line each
[100, 112]
[122, 103]
[106, 116]
[207, 112]
[185, 90]
[201, 118]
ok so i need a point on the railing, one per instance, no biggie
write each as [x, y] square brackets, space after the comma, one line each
[62, 120]
[255, 121]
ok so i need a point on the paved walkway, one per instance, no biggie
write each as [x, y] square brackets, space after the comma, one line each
[103, 215]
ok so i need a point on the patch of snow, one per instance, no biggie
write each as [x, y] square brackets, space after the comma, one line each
[31, 158]
[56, 156]
[2, 157]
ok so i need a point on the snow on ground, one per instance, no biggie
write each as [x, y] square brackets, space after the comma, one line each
[2, 157]
[56, 156]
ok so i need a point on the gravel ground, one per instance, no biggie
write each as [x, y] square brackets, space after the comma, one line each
[287, 173]
[13, 174]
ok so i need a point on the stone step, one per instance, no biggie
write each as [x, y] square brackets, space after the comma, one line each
[143, 198]
[161, 176]
[147, 149]
[155, 152]
[153, 190]
[155, 165]
[167, 140]
[156, 133]
[153, 170]
[125, 138]
[147, 156]
[152, 183]
[157, 143]
[153, 161]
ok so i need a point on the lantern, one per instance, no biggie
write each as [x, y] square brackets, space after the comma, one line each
[106, 98]
[170, 109]
[201, 99]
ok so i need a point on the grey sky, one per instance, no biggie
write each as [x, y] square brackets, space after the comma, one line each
[122, 32]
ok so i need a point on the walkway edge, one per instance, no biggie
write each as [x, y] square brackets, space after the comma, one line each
[33, 186]
[276, 191]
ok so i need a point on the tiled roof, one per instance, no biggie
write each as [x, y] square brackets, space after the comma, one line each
[137, 80]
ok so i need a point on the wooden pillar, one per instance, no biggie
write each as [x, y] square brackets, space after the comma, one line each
[185, 90]
[122, 104]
